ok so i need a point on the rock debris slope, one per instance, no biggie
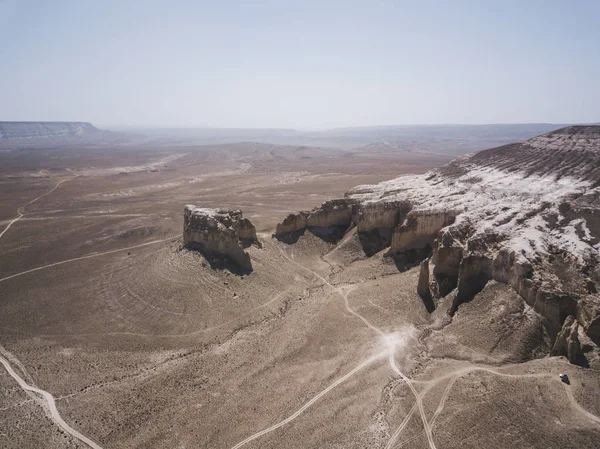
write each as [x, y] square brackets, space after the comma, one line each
[220, 233]
[525, 214]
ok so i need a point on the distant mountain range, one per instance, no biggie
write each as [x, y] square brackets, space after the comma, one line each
[449, 139]
[35, 133]
[446, 139]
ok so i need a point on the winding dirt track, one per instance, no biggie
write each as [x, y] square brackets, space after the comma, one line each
[427, 426]
[390, 353]
[21, 210]
[43, 267]
[49, 402]
[290, 418]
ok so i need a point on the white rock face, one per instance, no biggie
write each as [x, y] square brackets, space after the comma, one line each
[292, 223]
[376, 215]
[218, 232]
[526, 214]
[331, 213]
[528, 210]
[419, 229]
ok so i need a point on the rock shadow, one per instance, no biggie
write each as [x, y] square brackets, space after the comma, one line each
[408, 259]
[581, 361]
[375, 240]
[247, 243]
[474, 274]
[330, 234]
[428, 302]
[290, 237]
[220, 262]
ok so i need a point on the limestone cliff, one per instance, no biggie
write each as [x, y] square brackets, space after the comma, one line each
[567, 342]
[525, 214]
[419, 229]
[218, 232]
[292, 223]
[423, 286]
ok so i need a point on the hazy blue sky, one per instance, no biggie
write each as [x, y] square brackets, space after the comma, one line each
[302, 64]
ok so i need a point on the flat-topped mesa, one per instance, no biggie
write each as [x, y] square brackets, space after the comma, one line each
[219, 232]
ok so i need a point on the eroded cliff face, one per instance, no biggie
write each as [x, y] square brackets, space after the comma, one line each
[292, 223]
[419, 229]
[331, 213]
[526, 214]
[567, 341]
[219, 232]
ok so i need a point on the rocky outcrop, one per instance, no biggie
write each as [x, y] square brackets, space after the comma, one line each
[292, 223]
[245, 230]
[446, 266]
[381, 215]
[331, 213]
[474, 272]
[588, 314]
[214, 233]
[567, 341]
[423, 285]
[518, 214]
[334, 213]
[375, 223]
[419, 229]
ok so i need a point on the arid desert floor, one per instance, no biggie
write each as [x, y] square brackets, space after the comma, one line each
[142, 344]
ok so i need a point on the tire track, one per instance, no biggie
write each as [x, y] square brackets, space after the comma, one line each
[48, 400]
[89, 256]
[454, 376]
[21, 210]
[390, 351]
[312, 401]
[49, 404]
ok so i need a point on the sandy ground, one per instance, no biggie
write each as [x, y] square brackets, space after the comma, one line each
[141, 344]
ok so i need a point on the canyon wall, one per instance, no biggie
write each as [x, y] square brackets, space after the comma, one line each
[515, 214]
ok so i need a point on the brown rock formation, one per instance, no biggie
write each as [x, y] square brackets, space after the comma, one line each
[446, 265]
[474, 272]
[588, 314]
[213, 232]
[423, 286]
[375, 223]
[517, 214]
[567, 341]
[419, 230]
[387, 215]
[337, 212]
[292, 223]
[245, 230]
